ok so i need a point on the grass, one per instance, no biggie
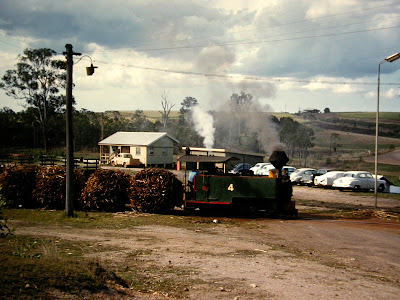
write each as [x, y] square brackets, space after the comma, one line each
[44, 267]
[33, 268]
[369, 115]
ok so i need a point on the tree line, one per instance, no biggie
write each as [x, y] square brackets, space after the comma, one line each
[39, 80]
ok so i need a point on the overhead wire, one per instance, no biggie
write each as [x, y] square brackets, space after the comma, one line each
[267, 27]
[249, 77]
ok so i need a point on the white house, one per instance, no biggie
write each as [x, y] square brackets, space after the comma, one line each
[151, 148]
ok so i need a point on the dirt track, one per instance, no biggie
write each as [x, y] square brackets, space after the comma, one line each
[391, 158]
[238, 258]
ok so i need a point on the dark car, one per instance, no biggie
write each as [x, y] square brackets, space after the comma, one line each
[242, 169]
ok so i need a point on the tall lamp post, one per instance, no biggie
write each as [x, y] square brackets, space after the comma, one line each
[390, 59]
[69, 129]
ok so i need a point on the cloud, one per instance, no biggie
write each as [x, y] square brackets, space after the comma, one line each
[246, 42]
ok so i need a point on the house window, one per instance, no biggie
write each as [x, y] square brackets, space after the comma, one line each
[164, 150]
[151, 150]
[138, 150]
[125, 149]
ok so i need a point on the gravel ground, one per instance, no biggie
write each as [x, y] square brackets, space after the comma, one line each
[261, 258]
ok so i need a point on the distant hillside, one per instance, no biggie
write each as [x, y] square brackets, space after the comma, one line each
[357, 122]
[152, 115]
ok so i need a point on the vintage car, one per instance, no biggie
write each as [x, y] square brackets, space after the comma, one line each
[358, 180]
[288, 169]
[241, 169]
[258, 167]
[265, 170]
[124, 159]
[326, 180]
[297, 175]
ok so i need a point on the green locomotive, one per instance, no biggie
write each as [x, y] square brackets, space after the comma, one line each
[242, 193]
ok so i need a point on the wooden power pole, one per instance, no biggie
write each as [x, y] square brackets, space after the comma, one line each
[69, 134]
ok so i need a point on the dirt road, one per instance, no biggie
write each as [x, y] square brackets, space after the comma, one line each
[260, 258]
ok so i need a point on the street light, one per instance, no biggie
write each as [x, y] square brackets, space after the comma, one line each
[390, 59]
[69, 128]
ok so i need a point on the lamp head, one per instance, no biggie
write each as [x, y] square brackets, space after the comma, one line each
[393, 57]
[90, 70]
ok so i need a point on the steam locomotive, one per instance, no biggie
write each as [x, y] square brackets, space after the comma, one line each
[241, 193]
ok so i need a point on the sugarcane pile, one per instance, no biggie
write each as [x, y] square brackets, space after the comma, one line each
[106, 190]
[17, 185]
[155, 190]
[50, 187]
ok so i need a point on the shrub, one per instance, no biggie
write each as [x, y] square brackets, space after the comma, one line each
[17, 185]
[51, 187]
[4, 229]
[106, 190]
[155, 190]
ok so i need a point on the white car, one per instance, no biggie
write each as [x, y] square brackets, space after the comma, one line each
[124, 159]
[265, 170]
[326, 180]
[258, 166]
[297, 175]
[358, 180]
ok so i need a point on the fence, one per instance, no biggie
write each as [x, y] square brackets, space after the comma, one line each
[48, 160]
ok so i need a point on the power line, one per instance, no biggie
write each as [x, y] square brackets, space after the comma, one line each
[254, 41]
[278, 25]
[250, 77]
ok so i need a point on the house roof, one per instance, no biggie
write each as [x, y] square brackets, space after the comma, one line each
[135, 138]
[195, 150]
[210, 159]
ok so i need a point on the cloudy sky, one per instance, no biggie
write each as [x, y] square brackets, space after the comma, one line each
[289, 54]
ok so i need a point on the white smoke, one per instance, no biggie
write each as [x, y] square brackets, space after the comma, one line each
[204, 125]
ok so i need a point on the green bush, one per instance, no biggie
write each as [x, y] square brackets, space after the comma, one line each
[17, 185]
[106, 190]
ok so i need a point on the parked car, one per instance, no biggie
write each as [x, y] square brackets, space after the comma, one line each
[297, 175]
[124, 159]
[265, 169]
[289, 169]
[242, 169]
[326, 180]
[358, 180]
[308, 176]
[258, 166]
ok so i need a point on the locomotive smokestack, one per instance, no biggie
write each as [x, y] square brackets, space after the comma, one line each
[278, 159]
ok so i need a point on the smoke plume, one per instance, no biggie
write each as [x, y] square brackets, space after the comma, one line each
[204, 125]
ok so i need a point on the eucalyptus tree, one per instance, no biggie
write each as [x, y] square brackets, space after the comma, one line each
[38, 78]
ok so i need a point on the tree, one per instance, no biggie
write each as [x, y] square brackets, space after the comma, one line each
[140, 122]
[334, 139]
[87, 130]
[239, 104]
[167, 106]
[37, 79]
[327, 110]
[185, 112]
[296, 136]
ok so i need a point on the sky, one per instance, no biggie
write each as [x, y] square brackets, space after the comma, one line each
[290, 55]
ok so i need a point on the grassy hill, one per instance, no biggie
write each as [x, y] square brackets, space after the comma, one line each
[152, 115]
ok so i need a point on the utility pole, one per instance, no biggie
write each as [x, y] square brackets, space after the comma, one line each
[69, 134]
